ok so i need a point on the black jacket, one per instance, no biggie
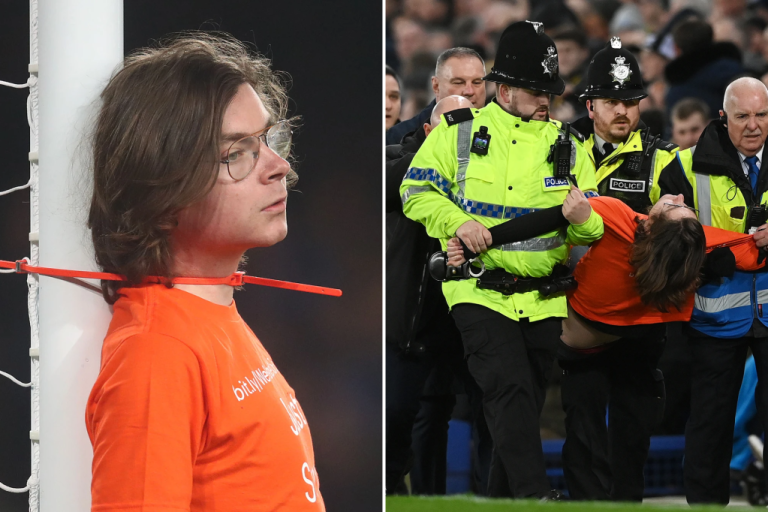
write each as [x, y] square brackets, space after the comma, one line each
[414, 300]
[396, 134]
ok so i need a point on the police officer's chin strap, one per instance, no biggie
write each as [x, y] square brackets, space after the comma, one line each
[514, 230]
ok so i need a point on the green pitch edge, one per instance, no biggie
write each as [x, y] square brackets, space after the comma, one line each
[462, 503]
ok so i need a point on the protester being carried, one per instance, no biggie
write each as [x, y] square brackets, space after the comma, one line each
[629, 255]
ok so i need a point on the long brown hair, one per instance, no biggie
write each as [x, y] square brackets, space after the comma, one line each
[155, 145]
[667, 256]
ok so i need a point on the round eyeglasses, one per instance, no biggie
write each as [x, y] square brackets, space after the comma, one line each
[674, 205]
[242, 155]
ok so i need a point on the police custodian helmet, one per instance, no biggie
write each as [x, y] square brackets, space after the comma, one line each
[527, 58]
[614, 73]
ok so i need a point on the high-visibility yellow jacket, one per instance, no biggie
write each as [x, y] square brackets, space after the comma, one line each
[630, 173]
[448, 184]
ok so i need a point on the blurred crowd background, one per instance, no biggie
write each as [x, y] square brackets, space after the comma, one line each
[688, 50]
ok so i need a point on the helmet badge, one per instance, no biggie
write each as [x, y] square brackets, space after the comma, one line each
[616, 42]
[537, 26]
[550, 62]
[620, 71]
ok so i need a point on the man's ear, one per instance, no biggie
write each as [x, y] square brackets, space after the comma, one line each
[435, 86]
[502, 91]
[427, 128]
[590, 109]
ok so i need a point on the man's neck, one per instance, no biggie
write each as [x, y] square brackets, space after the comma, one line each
[188, 263]
[758, 153]
[599, 139]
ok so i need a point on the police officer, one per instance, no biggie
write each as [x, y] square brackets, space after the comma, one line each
[728, 184]
[627, 156]
[422, 344]
[598, 464]
[476, 170]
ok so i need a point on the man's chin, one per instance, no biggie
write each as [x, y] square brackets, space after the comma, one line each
[620, 133]
[271, 236]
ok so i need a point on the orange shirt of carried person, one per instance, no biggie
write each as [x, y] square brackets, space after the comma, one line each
[608, 289]
[189, 412]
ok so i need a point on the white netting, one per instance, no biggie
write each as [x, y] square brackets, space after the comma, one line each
[32, 486]
[34, 257]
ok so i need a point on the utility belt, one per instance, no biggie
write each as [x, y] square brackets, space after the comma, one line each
[500, 280]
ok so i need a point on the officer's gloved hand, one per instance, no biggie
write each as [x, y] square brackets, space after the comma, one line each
[719, 263]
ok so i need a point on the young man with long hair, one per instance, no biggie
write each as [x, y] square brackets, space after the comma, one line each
[189, 412]
[644, 270]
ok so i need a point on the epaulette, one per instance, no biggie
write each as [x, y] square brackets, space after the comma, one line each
[458, 116]
[577, 134]
[667, 146]
[663, 145]
[656, 142]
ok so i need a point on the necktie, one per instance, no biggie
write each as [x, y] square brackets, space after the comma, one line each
[753, 172]
[607, 150]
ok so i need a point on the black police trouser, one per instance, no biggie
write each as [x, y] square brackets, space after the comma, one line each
[419, 446]
[716, 374]
[405, 377]
[606, 462]
[430, 444]
[511, 362]
[675, 363]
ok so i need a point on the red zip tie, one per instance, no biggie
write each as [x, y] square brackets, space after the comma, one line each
[236, 279]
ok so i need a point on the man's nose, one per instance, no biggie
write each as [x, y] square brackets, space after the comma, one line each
[752, 123]
[276, 167]
[468, 90]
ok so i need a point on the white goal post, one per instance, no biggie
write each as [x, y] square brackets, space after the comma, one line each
[75, 45]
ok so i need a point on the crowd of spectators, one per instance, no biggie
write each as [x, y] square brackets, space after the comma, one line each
[687, 49]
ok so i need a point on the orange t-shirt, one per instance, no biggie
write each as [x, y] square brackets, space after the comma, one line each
[606, 292]
[190, 413]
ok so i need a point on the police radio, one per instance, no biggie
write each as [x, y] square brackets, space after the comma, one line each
[757, 216]
[560, 155]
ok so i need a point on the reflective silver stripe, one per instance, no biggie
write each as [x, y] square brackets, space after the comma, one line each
[413, 190]
[653, 170]
[762, 296]
[463, 143]
[733, 300]
[703, 199]
[535, 244]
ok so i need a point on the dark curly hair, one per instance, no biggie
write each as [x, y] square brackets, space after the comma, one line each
[155, 145]
[667, 256]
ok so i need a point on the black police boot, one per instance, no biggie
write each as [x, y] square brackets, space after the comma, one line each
[753, 484]
[553, 495]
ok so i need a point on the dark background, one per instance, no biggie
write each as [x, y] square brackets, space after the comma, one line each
[329, 349]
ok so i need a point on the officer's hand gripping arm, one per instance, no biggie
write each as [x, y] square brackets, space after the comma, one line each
[592, 229]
